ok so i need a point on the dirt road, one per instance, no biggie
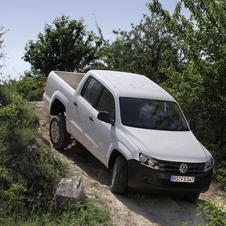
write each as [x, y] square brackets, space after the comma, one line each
[134, 207]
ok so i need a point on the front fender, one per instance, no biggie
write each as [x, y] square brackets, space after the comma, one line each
[121, 148]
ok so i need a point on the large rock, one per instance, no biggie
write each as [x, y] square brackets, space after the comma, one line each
[69, 192]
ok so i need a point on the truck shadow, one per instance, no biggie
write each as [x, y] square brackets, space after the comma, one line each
[157, 208]
[88, 163]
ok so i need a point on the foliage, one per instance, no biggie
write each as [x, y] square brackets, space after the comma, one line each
[29, 172]
[216, 212]
[3, 174]
[65, 46]
[220, 164]
[1, 41]
[89, 213]
[145, 49]
[17, 129]
[203, 82]
[12, 194]
[5, 95]
[1, 45]
[15, 117]
[31, 86]
[93, 213]
[9, 114]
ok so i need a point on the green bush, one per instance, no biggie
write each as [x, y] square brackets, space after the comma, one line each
[29, 172]
[216, 212]
[31, 86]
[17, 120]
[5, 96]
[219, 171]
[89, 213]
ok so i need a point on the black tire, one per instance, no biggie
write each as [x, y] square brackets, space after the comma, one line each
[59, 136]
[193, 197]
[119, 175]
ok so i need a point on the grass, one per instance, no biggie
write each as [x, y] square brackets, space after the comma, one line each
[89, 213]
[29, 173]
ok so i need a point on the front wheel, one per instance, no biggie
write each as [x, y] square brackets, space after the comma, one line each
[119, 175]
[59, 136]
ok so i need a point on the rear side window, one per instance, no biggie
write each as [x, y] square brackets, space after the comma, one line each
[91, 89]
[106, 103]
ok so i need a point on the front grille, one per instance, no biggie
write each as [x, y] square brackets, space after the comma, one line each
[173, 167]
[167, 184]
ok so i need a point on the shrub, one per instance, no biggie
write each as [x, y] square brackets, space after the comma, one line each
[5, 96]
[29, 172]
[216, 212]
[31, 86]
[17, 121]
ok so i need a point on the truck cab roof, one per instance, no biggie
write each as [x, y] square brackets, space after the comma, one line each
[125, 84]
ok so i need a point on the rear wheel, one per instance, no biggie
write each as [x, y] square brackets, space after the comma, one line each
[59, 136]
[119, 175]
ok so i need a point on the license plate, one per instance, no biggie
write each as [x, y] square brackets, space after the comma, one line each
[182, 179]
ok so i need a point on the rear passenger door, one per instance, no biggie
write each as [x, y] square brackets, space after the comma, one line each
[82, 107]
[101, 134]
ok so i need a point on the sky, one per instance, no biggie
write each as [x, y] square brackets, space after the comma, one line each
[25, 19]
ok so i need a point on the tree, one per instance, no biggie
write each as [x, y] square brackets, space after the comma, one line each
[1, 44]
[145, 49]
[204, 37]
[64, 46]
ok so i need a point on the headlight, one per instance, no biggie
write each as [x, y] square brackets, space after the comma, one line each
[208, 165]
[149, 161]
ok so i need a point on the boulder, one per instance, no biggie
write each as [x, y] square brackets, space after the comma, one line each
[41, 141]
[69, 192]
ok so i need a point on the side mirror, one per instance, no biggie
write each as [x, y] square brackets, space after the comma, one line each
[192, 124]
[105, 117]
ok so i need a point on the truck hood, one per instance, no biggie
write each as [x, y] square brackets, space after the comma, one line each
[179, 146]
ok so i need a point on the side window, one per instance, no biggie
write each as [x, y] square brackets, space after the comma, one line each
[91, 89]
[106, 103]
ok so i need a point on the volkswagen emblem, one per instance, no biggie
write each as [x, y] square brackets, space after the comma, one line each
[183, 168]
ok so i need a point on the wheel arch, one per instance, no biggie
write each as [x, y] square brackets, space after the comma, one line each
[58, 103]
[118, 148]
[57, 107]
[115, 153]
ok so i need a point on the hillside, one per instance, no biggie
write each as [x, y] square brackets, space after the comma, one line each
[134, 207]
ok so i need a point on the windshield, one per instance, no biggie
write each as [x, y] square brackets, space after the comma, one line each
[152, 114]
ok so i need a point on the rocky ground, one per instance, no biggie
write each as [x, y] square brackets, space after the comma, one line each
[134, 207]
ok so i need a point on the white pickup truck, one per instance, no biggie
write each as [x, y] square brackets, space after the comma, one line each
[133, 126]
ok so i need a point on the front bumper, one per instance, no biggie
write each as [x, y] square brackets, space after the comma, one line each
[144, 178]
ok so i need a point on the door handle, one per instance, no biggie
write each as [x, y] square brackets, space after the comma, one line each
[91, 118]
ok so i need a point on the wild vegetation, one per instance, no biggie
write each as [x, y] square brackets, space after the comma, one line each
[29, 172]
[65, 46]
[186, 56]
